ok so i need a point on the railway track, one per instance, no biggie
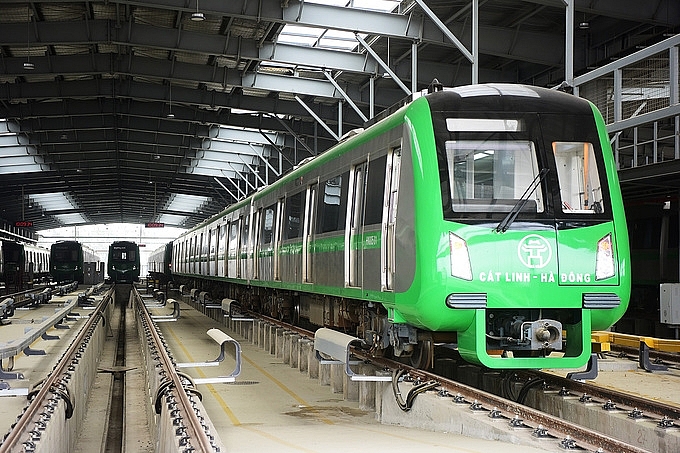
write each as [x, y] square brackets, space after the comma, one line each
[52, 412]
[55, 415]
[183, 423]
[567, 435]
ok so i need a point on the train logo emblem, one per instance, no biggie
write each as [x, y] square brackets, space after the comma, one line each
[534, 251]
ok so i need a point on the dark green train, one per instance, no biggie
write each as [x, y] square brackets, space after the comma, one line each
[486, 215]
[68, 259]
[22, 265]
[123, 262]
[160, 264]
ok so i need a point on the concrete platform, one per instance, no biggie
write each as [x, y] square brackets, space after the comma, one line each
[276, 406]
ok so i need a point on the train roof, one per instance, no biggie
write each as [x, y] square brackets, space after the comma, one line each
[505, 97]
[499, 97]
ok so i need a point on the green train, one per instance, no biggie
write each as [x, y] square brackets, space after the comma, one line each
[160, 264]
[486, 215]
[68, 259]
[123, 265]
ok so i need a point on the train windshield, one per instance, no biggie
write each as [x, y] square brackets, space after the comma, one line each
[492, 175]
[579, 179]
[123, 255]
[543, 166]
[63, 254]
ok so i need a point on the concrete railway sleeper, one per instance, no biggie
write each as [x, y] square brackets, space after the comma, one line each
[181, 422]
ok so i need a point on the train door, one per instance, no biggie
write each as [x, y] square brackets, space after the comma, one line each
[278, 235]
[308, 233]
[233, 260]
[206, 252]
[221, 258]
[354, 225]
[201, 255]
[388, 245]
[183, 257]
[212, 252]
[255, 244]
[243, 247]
[192, 254]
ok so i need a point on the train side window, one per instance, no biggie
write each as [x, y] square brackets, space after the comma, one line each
[375, 186]
[293, 216]
[580, 185]
[333, 204]
[233, 235]
[244, 232]
[268, 225]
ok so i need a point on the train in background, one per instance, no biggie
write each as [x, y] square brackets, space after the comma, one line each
[68, 260]
[123, 265]
[160, 264]
[489, 215]
[22, 264]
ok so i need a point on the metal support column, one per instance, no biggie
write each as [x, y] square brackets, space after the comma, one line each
[475, 41]
[569, 44]
[371, 97]
[414, 67]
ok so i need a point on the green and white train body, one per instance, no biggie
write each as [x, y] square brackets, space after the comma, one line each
[491, 211]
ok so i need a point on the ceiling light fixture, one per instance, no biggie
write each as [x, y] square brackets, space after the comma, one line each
[197, 16]
[27, 64]
[170, 114]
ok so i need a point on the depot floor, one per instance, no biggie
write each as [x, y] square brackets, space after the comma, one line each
[273, 407]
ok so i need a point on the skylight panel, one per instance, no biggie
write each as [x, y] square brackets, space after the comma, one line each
[16, 155]
[185, 203]
[172, 219]
[70, 219]
[57, 201]
[332, 39]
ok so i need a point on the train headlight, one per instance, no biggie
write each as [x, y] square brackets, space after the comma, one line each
[604, 261]
[460, 257]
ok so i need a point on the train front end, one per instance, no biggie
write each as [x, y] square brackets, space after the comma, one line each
[531, 253]
[66, 262]
[123, 263]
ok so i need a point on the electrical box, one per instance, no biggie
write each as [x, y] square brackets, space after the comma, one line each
[669, 299]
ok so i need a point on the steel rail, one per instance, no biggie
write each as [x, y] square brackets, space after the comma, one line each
[584, 437]
[27, 420]
[631, 401]
[194, 428]
[579, 433]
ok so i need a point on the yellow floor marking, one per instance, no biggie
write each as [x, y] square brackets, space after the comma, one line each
[277, 439]
[283, 387]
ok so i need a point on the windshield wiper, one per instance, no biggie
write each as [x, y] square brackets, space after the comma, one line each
[514, 212]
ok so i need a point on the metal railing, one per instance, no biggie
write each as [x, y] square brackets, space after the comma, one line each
[638, 96]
